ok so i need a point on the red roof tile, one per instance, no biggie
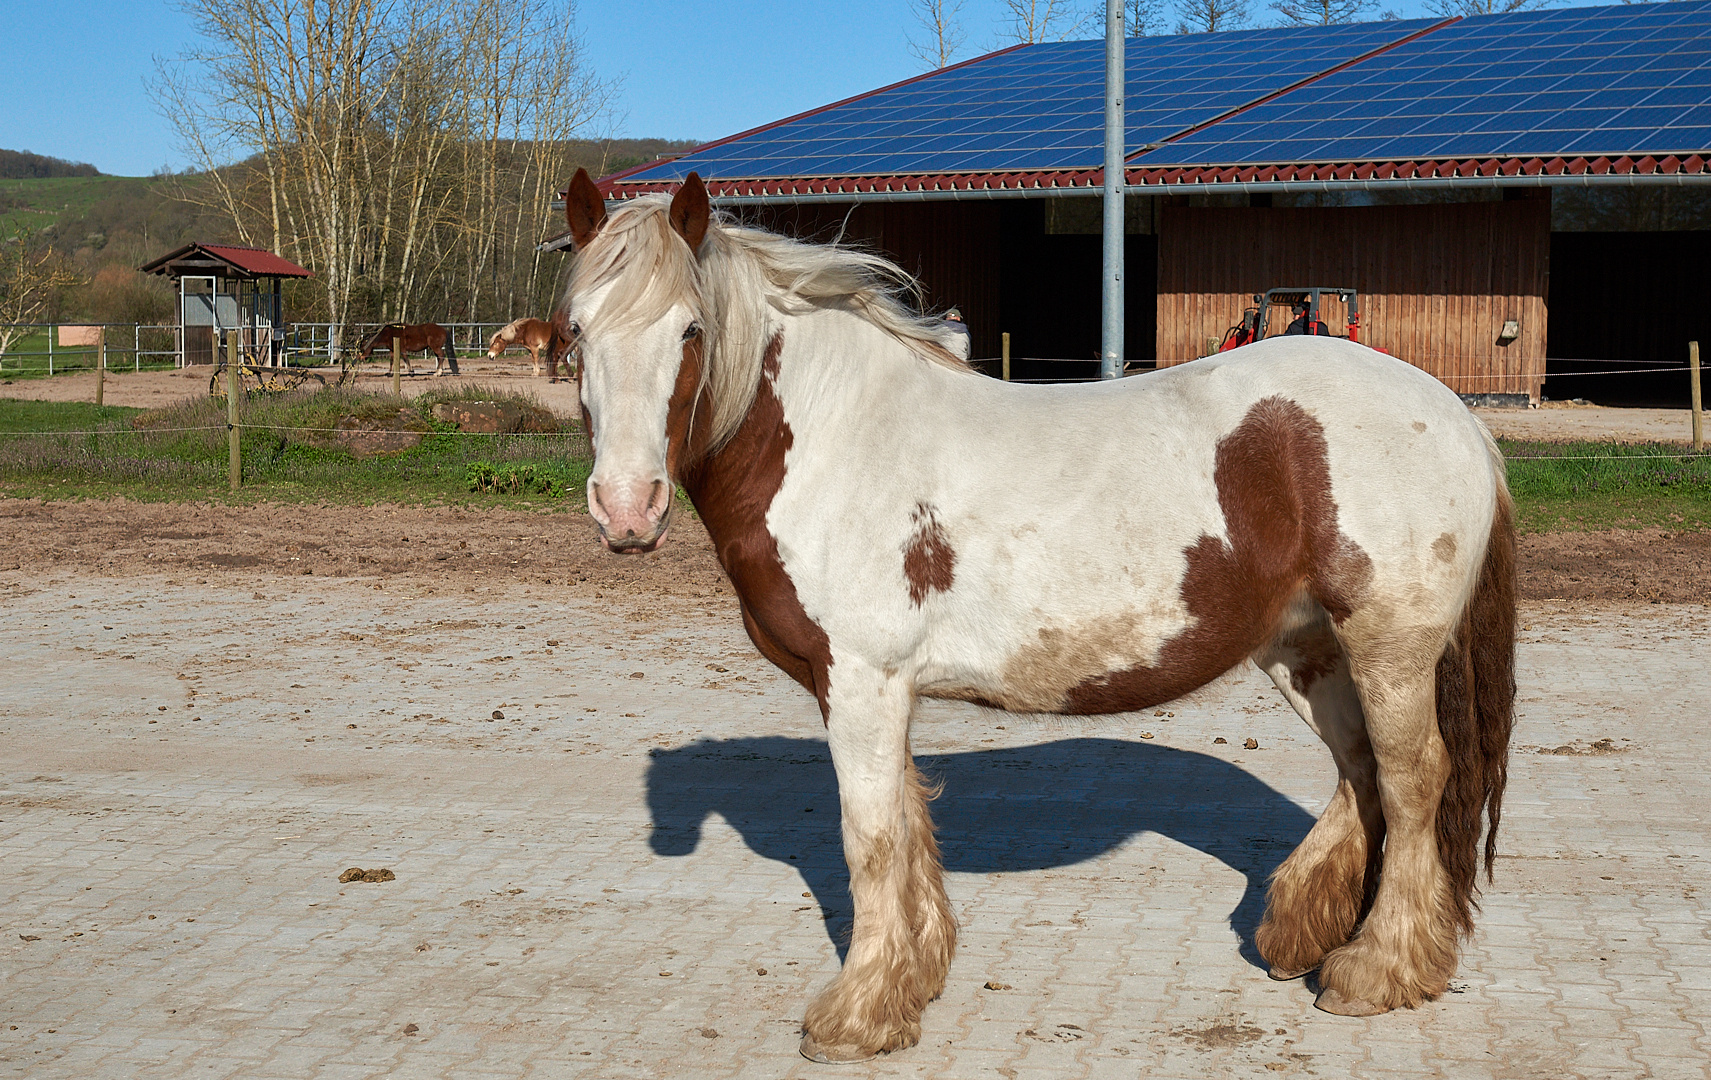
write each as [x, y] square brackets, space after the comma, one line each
[254, 261]
[1167, 178]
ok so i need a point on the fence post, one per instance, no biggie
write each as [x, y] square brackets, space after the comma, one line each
[51, 329]
[1006, 356]
[101, 367]
[397, 355]
[235, 460]
[1698, 411]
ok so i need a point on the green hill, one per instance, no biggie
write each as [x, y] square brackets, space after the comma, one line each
[29, 206]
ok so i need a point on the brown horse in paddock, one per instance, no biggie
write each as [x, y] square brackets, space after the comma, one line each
[414, 338]
[536, 336]
[1326, 512]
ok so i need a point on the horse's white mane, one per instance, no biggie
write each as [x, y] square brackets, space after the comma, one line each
[740, 273]
[510, 330]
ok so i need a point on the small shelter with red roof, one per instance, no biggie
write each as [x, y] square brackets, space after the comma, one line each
[227, 288]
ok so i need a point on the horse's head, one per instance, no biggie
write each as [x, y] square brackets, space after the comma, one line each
[633, 312]
[495, 345]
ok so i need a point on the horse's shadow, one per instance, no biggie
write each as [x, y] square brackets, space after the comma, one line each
[1028, 808]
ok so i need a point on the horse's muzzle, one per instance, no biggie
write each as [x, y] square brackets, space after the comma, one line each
[633, 517]
[631, 544]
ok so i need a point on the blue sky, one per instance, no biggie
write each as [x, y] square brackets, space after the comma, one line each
[696, 69]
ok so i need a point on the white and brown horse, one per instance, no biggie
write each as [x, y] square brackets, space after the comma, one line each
[537, 336]
[897, 526]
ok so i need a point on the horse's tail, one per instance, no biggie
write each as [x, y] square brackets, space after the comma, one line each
[451, 350]
[1476, 710]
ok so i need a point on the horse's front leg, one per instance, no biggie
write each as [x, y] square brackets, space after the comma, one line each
[904, 934]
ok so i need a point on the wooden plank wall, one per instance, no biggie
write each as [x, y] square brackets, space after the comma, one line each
[951, 247]
[1436, 282]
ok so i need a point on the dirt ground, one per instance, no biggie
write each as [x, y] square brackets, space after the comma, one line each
[465, 550]
[1557, 422]
[1564, 422]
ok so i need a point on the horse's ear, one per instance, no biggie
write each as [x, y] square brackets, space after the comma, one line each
[689, 211]
[584, 209]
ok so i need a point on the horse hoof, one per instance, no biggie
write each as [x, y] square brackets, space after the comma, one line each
[1284, 975]
[1332, 1001]
[834, 1054]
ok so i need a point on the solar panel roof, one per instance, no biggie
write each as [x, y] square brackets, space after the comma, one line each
[1035, 108]
[1576, 82]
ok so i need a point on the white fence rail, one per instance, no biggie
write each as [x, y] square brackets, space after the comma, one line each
[34, 348]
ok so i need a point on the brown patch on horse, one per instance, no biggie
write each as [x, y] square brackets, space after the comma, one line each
[929, 561]
[1444, 547]
[1274, 486]
[686, 428]
[732, 490]
[584, 209]
[1315, 657]
[1476, 713]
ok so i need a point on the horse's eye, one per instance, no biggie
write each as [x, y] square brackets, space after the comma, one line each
[694, 331]
[575, 329]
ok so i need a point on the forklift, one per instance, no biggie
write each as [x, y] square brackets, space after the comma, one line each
[1304, 301]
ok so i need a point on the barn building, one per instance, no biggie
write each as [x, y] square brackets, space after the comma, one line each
[1516, 198]
[227, 287]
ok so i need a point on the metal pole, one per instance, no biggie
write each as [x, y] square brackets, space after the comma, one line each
[1698, 412]
[101, 367]
[235, 461]
[1111, 323]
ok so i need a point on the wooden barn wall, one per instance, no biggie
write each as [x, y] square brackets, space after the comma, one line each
[1436, 282]
[952, 248]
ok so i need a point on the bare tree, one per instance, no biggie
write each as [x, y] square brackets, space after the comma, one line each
[29, 277]
[1032, 21]
[1468, 8]
[942, 32]
[1322, 12]
[405, 152]
[1211, 16]
[1143, 18]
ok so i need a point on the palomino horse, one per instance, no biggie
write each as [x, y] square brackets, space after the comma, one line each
[419, 337]
[537, 336]
[896, 525]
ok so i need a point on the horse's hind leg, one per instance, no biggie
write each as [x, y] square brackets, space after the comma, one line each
[1405, 950]
[900, 949]
[1318, 895]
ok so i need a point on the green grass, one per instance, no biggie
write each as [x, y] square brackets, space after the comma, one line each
[180, 453]
[288, 457]
[1595, 485]
[24, 416]
[28, 206]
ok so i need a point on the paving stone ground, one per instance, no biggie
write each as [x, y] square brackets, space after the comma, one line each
[634, 870]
